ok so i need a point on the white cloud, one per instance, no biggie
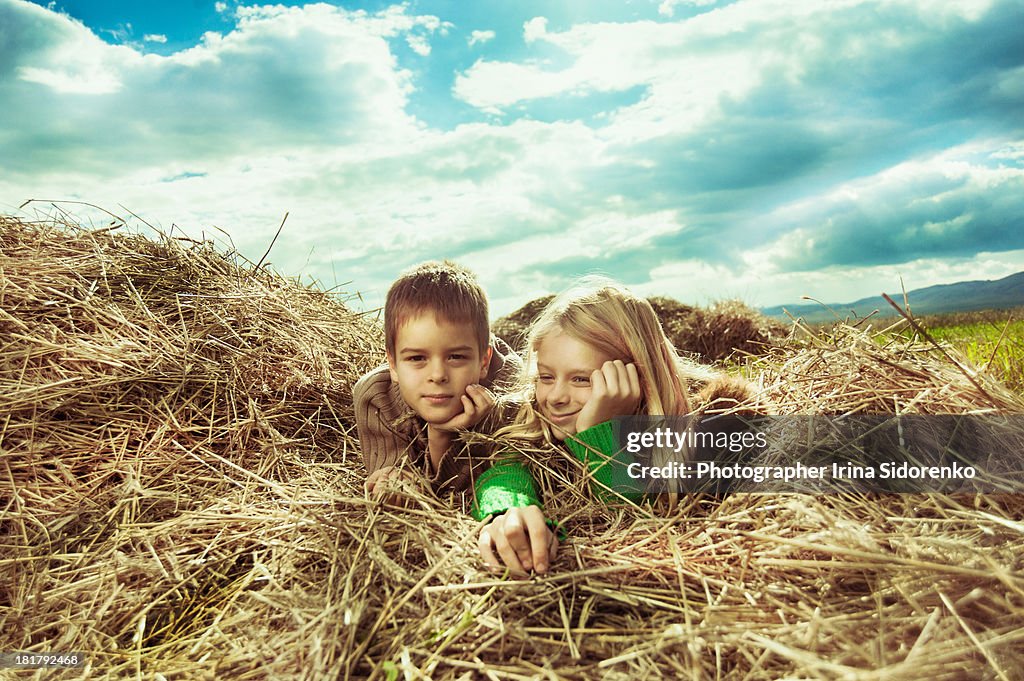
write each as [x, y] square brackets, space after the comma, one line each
[220, 7]
[304, 109]
[283, 78]
[685, 79]
[667, 7]
[945, 205]
[75, 80]
[690, 68]
[480, 37]
[418, 44]
[154, 38]
[695, 281]
[67, 59]
[535, 29]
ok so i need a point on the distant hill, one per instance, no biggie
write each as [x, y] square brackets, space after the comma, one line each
[963, 296]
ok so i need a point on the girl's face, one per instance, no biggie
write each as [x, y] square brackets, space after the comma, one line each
[564, 366]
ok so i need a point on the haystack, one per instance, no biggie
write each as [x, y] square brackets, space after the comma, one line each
[512, 327]
[180, 498]
[726, 329]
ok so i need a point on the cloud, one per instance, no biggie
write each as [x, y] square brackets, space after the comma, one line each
[846, 57]
[667, 7]
[939, 207]
[480, 37]
[418, 44]
[762, 149]
[154, 38]
[42, 48]
[282, 79]
[535, 29]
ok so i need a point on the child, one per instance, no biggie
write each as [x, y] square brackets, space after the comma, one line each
[600, 352]
[441, 360]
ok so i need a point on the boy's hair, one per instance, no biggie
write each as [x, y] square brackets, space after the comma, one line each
[445, 288]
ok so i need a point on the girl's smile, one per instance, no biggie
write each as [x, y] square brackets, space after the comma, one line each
[564, 368]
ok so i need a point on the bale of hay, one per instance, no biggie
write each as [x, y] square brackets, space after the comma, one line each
[179, 499]
[713, 334]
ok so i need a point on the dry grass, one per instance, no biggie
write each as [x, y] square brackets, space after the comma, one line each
[179, 498]
[512, 327]
[725, 330]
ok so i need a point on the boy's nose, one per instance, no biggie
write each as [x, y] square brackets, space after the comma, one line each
[439, 372]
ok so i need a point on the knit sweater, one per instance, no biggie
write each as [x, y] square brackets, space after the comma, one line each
[391, 433]
[508, 483]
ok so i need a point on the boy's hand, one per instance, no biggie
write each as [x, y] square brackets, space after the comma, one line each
[615, 391]
[387, 481]
[522, 540]
[476, 404]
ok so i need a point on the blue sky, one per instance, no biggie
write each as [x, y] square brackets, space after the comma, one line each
[760, 149]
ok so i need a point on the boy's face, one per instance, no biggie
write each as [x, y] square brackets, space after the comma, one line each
[433, 363]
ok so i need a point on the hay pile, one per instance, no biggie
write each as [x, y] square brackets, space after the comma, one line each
[727, 329]
[844, 370]
[179, 499]
[512, 327]
[165, 412]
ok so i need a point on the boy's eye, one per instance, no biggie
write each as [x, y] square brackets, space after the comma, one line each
[581, 380]
[414, 358]
[545, 378]
[457, 356]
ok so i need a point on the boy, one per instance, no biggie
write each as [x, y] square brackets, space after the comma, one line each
[441, 362]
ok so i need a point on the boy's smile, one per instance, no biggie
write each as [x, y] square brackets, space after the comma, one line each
[434, 362]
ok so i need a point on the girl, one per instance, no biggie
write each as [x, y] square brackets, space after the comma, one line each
[599, 352]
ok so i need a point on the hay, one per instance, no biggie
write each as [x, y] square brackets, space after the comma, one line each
[846, 370]
[512, 327]
[179, 499]
[726, 329]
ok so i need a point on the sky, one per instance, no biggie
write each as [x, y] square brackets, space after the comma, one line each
[756, 149]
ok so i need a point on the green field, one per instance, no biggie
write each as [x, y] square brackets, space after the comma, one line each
[993, 341]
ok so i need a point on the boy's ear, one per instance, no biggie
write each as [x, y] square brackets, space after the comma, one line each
[486, 362]
[391, 368]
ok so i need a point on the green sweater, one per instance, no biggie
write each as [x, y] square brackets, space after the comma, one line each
[508, 483]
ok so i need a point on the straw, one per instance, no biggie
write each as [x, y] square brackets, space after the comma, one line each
[180, 497]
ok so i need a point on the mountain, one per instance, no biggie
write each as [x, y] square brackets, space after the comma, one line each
[962, 296]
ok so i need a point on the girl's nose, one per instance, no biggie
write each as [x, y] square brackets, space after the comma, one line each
[559, 394]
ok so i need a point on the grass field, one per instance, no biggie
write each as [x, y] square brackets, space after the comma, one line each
[993, 340]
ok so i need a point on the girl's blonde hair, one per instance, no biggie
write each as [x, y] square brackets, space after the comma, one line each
[605, 315]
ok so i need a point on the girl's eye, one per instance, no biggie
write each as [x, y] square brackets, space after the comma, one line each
[581, 380]
[545, 378]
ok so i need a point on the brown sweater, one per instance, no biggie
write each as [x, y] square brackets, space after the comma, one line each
[391, 433]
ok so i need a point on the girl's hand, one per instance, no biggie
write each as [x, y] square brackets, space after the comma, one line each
[522, 540]
[615, 391]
